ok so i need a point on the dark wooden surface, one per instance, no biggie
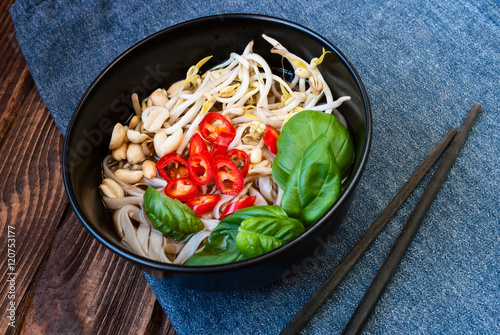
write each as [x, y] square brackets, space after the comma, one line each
[65, 282]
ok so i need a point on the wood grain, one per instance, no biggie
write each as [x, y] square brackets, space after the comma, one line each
[66, 282]
[32, 197]
[16, 80]
[88, 292]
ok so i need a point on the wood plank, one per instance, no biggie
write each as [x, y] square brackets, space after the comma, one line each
[16, 81]
[85, 288]
[33, 200]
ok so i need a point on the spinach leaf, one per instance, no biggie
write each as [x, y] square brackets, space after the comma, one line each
[314, 183]
[258, 235]
[220, 247]
[300, 132]
[170, 216]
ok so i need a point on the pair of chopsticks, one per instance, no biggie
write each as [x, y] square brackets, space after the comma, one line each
[388, 268]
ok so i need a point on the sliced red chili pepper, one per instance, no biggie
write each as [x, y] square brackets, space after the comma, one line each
[181, 189]
[172, 166]
[201, 167]
[203, 203]
[228, 178]
[270, 138]
[239, 204]
[240, 159]
[219, 147]
[197, 144]
[213, 124]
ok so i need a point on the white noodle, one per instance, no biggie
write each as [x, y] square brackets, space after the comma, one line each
[218, 208]
[210, 224]
[260, 200]
[266, 187]
[126, 229]
[191, 246]
[156, 182]
[279, 196]
[115, 203]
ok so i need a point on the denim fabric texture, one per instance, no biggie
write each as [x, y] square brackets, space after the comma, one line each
[424, 63]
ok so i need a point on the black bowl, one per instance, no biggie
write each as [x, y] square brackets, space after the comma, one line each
[164, 58]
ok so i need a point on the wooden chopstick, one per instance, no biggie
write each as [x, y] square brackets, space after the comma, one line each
[388, 268]
[331, 283]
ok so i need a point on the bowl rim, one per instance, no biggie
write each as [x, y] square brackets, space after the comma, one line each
[206, 269]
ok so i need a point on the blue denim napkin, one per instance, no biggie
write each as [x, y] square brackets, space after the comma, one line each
[424, 64]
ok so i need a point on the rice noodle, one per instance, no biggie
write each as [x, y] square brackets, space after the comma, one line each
[191, 246]
[278, 198]
[156, 182]
[210, 224]
[126, 229]
[260, 200]
[115, 203]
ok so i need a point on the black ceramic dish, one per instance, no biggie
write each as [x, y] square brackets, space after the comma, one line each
[164, 58]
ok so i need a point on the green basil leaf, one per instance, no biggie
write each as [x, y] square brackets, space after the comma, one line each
[170, 216]
[220, 247]
[314, 183]
[300, 132]
[258, 235]
[255, 211]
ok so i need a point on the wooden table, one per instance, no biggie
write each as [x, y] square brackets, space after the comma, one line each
[65, 282]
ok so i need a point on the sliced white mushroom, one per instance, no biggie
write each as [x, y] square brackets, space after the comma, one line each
[154, 116]
[118, 136]
[111, 188]
[167, 144]
[120, 153]
[129, 176]
[148, 169]
[135, 154]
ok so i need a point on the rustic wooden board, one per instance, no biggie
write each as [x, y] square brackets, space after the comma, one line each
[87, 289]
[16, 80]
[65, 281]
[33, 199]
